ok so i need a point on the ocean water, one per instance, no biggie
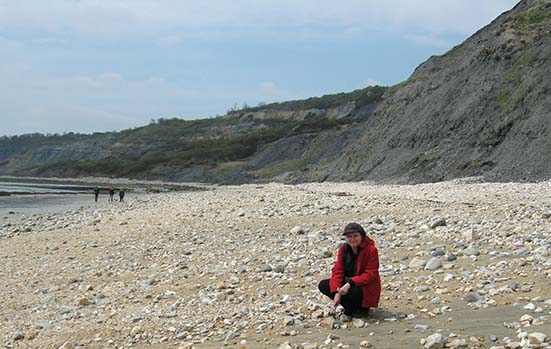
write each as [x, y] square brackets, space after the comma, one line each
[22, 188]
[19, 200]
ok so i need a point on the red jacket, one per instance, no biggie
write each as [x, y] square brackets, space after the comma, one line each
[367, 275]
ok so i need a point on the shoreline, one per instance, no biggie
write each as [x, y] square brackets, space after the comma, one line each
[145, 185]
[17, 207]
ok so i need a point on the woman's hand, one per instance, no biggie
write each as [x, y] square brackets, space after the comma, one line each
[343, 291]
[337, 299]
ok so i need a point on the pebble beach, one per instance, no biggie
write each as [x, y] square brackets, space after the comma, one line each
[463, 265]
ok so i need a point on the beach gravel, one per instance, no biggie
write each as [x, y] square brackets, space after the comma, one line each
[461, 263]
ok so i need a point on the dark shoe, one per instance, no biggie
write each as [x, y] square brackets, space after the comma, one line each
[349, 312]
[359, 313]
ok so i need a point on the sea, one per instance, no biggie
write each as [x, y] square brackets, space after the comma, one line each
[20, 199]
[25, 188]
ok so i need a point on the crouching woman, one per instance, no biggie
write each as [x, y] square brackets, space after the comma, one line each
[355, 282]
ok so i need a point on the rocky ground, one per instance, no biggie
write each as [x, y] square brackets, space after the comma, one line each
[462, 265]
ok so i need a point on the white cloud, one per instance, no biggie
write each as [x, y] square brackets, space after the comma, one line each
[268, 89]
[31, 102]
[111, 77]
[143, 17]
[40, 98]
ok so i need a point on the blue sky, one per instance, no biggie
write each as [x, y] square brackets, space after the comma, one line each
[103, 65]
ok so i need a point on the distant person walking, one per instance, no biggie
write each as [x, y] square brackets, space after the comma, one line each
[121, 195]
[96, 193]
[111, 193]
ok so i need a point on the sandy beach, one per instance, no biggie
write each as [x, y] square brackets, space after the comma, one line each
[462, 265]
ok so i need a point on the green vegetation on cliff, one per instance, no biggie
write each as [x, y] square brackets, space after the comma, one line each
[167, 147]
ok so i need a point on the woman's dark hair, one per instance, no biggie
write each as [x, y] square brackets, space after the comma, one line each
[353, 228]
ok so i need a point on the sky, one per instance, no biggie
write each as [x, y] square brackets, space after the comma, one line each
[103, 65]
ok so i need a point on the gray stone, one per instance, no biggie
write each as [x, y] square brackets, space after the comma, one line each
[417, 263]
[450, 257]
[438, 222]
[521, 252]
[433, 264]
[289, 321]
[438, 252]
[265, 268]
[471, 298]
[471, 251]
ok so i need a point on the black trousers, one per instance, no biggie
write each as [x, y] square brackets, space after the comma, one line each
[352, 301]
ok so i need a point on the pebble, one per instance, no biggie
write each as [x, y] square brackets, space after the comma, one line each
[438, 222]
[433, 264]
[421, 328]
[265, 268]
[470, 235]
[471, 251]
[298, 230]
[417, 263]
[537, 337]
[472, 298]
[435, 340]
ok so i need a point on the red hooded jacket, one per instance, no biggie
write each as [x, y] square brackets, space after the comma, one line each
[367, 275]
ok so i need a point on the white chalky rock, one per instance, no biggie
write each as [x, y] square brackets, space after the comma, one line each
[434, 341]
[526, 318]
[529, 306]
[286, 345]
[470, 235]
[365, 344]
[537, 337]
[417, 263]
[457, 343]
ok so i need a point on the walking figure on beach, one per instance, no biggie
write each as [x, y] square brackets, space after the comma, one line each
[355, 282]
[111, 193]
[96, 193]
[121, 195]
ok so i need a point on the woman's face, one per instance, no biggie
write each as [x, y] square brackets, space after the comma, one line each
[353, 239]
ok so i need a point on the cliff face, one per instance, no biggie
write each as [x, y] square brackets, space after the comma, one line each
[277, 141]
[482, 109]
